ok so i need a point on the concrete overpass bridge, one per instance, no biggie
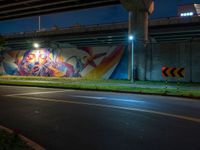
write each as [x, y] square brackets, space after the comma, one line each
[161, 30]
[11, 9]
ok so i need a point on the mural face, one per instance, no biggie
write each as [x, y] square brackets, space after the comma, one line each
[96, 62]
[34, 62]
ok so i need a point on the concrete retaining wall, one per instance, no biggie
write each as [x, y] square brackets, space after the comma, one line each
[184, 54]
[148, 62]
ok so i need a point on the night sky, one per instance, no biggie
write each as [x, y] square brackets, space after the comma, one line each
[109, 14]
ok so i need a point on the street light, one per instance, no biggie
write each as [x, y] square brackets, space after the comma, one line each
[131, 39]
[36, 45]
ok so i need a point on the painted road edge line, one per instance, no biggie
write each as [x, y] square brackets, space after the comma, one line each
[197, 120]
[35, 93]
[29, 142]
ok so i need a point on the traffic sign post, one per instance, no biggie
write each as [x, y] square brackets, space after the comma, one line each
[178, 84]
[165, 84]
[173, 72]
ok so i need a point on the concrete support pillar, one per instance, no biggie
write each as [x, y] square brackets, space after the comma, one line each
[138, 27]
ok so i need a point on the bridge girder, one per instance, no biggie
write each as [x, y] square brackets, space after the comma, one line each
[12, 9]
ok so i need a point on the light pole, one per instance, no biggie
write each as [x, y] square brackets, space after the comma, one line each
[39, 23]
[131, 39]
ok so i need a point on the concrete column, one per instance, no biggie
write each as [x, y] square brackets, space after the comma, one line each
[138, 26]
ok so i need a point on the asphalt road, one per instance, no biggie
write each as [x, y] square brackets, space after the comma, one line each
[61, 119]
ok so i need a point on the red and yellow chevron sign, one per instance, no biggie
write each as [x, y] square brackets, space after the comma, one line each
[173, 72]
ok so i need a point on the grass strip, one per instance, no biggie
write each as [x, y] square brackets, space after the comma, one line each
[11, 141]
[86, 80]
[111, 87]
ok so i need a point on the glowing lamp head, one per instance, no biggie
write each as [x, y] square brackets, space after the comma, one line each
[130, 37]
[36, 45]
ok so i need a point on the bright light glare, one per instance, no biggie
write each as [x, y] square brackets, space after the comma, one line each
[36, 45]
[130, 37]
[186, 14]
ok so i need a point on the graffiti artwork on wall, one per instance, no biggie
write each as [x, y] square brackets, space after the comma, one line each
[92, 62]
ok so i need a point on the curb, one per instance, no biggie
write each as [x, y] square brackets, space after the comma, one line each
[29, 142]
[101, 90]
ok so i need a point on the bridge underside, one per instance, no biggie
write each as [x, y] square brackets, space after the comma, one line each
[11, 9]
[165, 30]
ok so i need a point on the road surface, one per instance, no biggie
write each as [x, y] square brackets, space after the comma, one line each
[61, 119]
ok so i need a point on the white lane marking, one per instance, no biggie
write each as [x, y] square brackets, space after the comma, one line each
[197, 120]
[107, 98]
[174, 98]
[90, 97]
[35, 93]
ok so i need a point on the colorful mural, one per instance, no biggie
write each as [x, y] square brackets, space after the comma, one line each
[89, 62]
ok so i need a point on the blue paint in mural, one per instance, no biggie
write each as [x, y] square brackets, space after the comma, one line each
[121, 71]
